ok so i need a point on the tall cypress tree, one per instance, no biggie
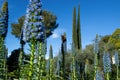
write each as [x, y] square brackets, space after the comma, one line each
[79, 30]
[74, 30]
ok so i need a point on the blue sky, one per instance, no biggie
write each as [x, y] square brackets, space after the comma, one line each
[97, 17]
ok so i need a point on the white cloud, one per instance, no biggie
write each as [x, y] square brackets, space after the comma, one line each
[55, 35]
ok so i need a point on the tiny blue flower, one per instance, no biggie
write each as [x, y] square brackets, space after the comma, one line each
[36, 13]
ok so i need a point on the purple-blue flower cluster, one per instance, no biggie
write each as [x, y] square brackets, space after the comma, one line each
[4, 21]
[96, 47]
[106, 62]
[99, 75]
[116, 58]
[33, 26]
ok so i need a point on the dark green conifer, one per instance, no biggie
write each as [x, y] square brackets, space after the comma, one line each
[74, 30]
[79, 30]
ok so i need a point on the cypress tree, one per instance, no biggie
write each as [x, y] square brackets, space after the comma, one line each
[74, 30]
[79, 31]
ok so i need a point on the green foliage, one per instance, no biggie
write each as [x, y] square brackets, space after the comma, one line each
[114, 41]
[49, 19]
[32, 48]
[13, 63]
[87, 54]
[3, 59]
[103, 41]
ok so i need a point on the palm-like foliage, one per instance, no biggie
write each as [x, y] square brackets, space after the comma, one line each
[3, 59]
[17, 27]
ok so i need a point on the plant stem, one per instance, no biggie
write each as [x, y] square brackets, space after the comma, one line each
[107, 76]
[20, 59]
[117, 72]
[31, 60]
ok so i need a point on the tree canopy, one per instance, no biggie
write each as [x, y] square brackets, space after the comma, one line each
[114, 41]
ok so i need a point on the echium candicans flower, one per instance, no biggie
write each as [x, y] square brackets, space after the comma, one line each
[73, 50]
[48, 66]
[4, 19]
[86, 66]
[106, 62]
[99, 75]
[58, 68]
[116, 58]
[96, 45]
[33, 26]
[58, 64]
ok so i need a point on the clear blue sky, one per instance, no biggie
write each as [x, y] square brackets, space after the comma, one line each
[97, 17]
